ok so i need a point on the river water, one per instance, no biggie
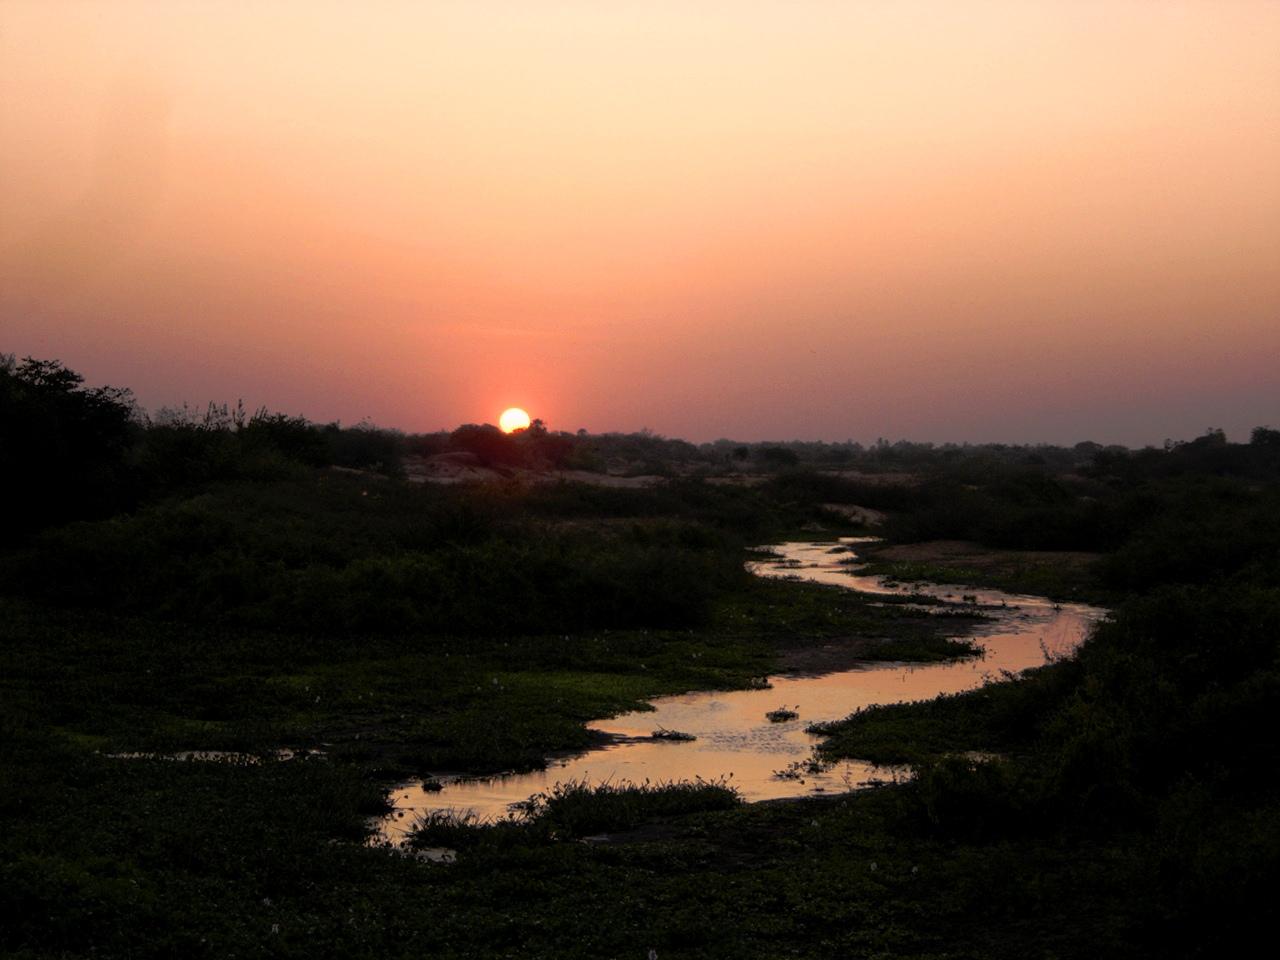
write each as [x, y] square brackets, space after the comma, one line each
[736, 741]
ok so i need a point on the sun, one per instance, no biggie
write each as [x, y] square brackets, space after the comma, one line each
[513, 419]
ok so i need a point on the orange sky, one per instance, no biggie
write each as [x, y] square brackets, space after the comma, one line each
[942, 221]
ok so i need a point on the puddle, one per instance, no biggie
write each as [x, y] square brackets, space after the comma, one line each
[735, 739]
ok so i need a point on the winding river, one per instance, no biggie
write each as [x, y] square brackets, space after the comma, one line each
[734, 738]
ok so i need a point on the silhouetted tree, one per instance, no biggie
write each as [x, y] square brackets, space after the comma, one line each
[64, 448]
[1265, 437]
[491, 446]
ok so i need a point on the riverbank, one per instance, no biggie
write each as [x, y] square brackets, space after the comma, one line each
[1068, 575]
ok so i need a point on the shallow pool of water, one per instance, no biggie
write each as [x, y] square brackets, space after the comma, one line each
[735, 740]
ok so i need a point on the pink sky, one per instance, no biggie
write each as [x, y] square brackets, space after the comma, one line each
[941, 220]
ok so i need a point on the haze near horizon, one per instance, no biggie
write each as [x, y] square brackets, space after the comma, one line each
[1047, 221]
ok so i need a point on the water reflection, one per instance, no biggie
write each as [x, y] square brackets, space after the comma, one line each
[734, 737]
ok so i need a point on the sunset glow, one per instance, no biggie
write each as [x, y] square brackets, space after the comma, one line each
[513, 419]
[990, 221]
[880, 380]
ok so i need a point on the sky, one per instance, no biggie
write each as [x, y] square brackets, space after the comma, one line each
[939, 221]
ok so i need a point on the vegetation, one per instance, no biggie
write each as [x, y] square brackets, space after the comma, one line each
[678, 736]
[212, 582]
[575, 810]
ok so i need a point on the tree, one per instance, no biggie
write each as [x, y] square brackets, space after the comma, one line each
[65, 449]
[490, 445]
[1265, 437]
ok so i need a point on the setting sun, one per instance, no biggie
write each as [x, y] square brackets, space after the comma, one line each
[513, 419]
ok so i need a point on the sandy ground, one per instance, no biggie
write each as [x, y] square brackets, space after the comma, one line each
[465, 468]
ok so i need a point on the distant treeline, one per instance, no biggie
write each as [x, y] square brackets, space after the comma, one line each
[74, 452]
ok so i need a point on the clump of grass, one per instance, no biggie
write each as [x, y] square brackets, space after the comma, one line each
[662, 733]
[578, 809]
[799, 769]
[575, 809]
[464, 829]
[925, 649]
[782, 715]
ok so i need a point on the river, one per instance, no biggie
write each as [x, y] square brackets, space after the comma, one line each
[736, 741]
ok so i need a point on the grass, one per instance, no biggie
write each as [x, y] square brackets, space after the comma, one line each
[1058, 581]
[795, 614]
[483, 706]
[577, 808]
[998, 717]
[492, 706]
[922, 649]
[237, 853]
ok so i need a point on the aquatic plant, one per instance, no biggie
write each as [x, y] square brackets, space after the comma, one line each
[578, 808]
[662, 733]
[574, 809]
[799, 769]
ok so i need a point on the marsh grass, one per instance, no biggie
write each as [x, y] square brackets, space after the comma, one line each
[1074, 581]
[575, 809]
[579, 808]
[997, 716]
[923, 649]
